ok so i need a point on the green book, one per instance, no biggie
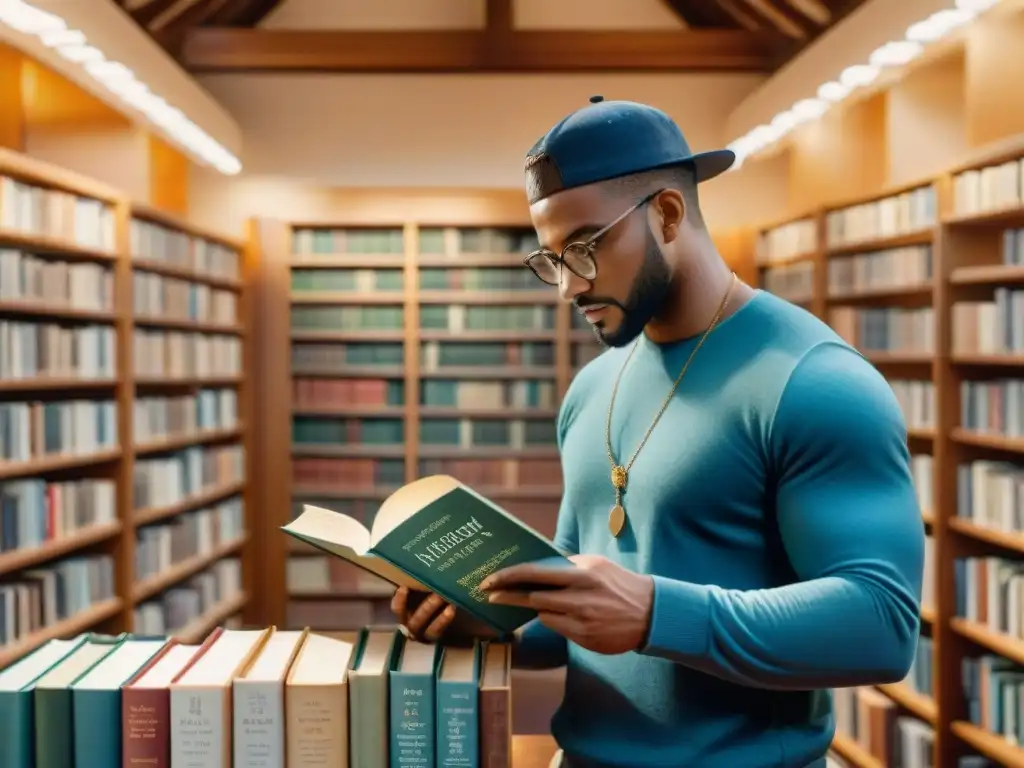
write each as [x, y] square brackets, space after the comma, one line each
[435, 535]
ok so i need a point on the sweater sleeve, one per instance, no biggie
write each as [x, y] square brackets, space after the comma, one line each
[849, 521]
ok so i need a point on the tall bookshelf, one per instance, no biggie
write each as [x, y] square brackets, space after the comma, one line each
[99, 299]
[413, 348]
[925, 281]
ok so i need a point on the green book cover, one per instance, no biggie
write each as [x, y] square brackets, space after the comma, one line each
[435, 535]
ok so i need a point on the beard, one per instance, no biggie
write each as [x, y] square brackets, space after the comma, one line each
[646, 298]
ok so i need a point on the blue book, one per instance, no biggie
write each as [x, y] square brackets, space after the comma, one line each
[412, 700]
[17, 713]
[96, 700]
[457, 712]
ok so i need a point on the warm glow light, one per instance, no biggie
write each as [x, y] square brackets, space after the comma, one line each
[893, 54]
[833, 91]
[858, 76]
[809, 109]
[896, 54]
[71, 44]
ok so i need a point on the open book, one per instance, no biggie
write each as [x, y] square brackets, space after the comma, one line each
[435, 535]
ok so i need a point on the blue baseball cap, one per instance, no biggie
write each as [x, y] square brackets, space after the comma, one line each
[608, 139]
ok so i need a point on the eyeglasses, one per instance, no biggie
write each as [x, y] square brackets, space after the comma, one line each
[577, 257]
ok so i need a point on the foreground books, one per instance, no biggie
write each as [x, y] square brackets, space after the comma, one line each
[257, 699]
[435, 535]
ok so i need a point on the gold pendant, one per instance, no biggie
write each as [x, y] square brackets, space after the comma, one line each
[616, 520]
[618, 477]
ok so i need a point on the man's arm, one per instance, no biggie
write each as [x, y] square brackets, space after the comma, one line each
[850, 523]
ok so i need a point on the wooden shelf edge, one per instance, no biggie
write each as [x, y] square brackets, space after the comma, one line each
[152, 585]
[917, 703]
[155, 514]
[69, 627]
[1010, 647]
[19, 559]
[1004, 539]
[197, 629]
[854, 753]
[42, 465]
[994, 747]
[178, 442]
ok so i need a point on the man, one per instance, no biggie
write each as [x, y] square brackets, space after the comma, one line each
[736, 482]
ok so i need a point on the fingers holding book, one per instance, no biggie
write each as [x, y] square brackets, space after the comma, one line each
[425, 618]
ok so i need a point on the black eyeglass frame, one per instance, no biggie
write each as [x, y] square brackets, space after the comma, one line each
[587, 246]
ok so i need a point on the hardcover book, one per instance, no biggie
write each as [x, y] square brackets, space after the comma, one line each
[435, 535]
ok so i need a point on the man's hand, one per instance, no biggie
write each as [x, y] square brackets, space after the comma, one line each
[598, 605]
[426, 621]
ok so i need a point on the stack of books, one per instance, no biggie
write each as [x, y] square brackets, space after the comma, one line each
[257, 699]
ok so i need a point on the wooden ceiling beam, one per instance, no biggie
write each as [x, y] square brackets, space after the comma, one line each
[701, 14]
[781, 17]
[146, 14]
[171, 35]
[211, 49]
[231, 14]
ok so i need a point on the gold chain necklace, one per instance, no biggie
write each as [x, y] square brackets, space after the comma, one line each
[620, 473]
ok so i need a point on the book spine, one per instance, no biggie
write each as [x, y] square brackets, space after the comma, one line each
[198, 723]
[16, 749]
[457, 714]
[317, 732]
[258, 718]
[146, 728]
[495, 730]
[412, 720]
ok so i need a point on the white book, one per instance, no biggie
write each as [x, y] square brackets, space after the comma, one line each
[258, 704]
[23, 672]
[201, 723]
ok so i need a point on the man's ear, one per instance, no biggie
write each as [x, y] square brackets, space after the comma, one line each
[669, 209]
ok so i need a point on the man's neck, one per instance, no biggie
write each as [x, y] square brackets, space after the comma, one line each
[696, 297]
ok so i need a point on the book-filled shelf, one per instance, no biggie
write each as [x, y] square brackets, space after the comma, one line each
[123, 464]
[925, 280]
[414, 349]
[368, 698]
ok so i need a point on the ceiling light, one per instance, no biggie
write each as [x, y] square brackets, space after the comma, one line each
[28, 19]
[71, 44]
[892, 54]
[833, 91]
[858, 76]
[809, 109]
[975, 6]
[896, 53]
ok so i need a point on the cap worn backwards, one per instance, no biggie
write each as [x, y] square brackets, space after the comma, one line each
[608, 139]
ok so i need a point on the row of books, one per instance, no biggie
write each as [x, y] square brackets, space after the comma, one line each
[35, 430]
[995, 187]
[257, 699]
[179, 354]
[151, 241]
[362, 280]
[901, 214]
[792, 282]
[886, 329]
[27, 277]
[435, 356]
[34, 511]
[909, 266]
[47, 350]
[156, 418]
[165, 481]
[789, 241]
[34, 210]
[310, 242]
[159, 297]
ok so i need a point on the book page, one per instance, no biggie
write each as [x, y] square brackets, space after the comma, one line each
[374, 660]
[217, 666]
[167, 668]
[272, 663]
[123, 662]
[322, 661]
[23, 672]
[343, 537]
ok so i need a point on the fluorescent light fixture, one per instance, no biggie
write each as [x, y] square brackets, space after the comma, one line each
[895, 53]
[72, 45]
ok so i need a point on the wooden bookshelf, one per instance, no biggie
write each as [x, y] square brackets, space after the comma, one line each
[920, 263]
[435, 349]
[81, 417]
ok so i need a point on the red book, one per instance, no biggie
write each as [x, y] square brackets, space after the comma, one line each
[146, 705]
